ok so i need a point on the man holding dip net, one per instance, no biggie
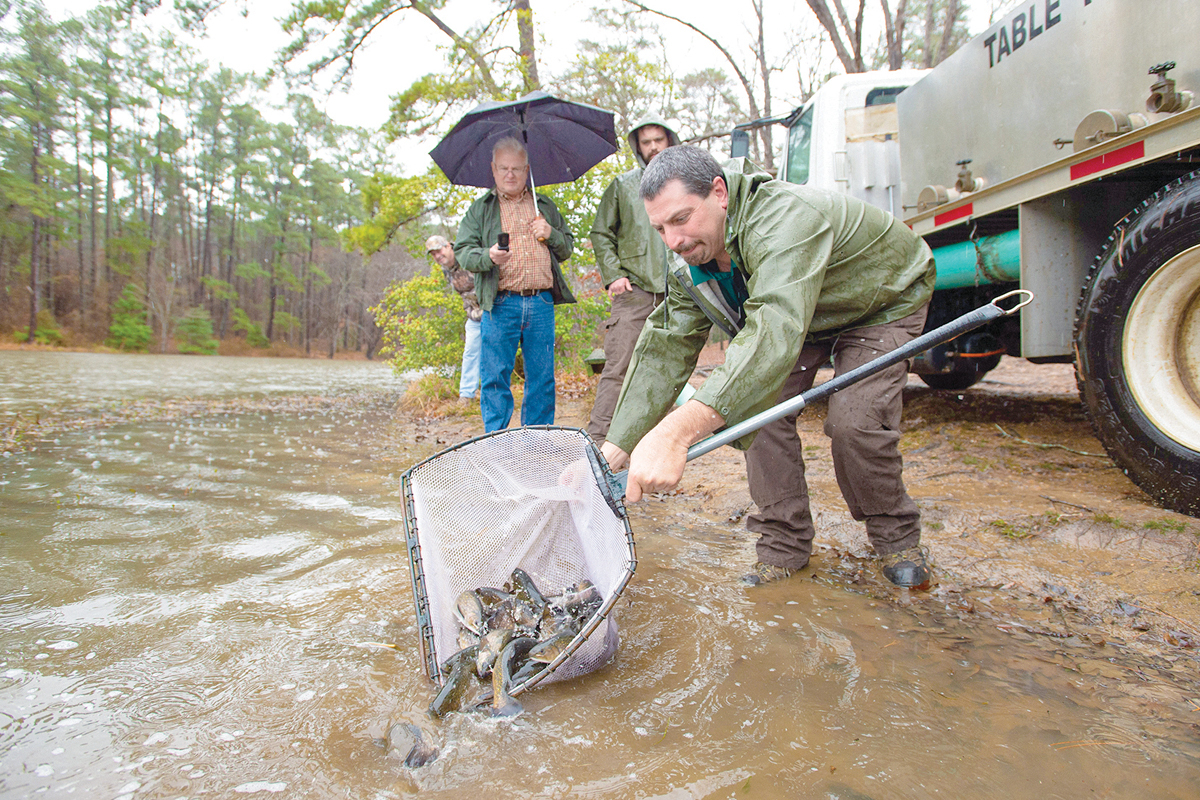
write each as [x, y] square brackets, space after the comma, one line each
[795, 276]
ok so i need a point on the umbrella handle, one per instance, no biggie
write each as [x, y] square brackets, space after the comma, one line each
[533, 191]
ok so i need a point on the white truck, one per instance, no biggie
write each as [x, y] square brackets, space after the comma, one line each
[1056, 152]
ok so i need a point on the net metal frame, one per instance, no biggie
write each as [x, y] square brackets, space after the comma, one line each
[541, 498]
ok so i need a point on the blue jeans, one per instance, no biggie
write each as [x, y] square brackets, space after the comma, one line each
[527, 322]
[468, 383]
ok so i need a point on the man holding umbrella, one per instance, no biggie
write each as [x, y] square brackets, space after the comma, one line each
[514, 242]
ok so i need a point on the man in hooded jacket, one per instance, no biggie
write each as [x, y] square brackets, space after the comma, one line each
[796, 276]
[632, 261]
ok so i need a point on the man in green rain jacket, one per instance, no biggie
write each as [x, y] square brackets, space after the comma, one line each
[633, 266]
[796, 276]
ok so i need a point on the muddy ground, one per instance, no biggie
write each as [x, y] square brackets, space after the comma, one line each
[1031, 525]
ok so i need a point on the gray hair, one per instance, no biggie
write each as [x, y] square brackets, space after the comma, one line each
[510, 144]
[693, 167]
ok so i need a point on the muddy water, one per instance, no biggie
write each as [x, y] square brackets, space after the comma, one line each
[199, 607]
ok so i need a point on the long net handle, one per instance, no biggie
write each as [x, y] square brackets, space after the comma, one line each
[952, 329]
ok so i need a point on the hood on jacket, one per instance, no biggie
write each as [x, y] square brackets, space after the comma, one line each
[672, 136]
[742, 179]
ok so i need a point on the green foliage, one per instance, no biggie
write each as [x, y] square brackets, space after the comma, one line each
[288, 323]
[47, 330]
[194, 333]
[221, 290]
[129, 330]
[254, 332]
[577, 202]
[1165, 525]
[391, 202]
[415, 110]
[575, 330]
[1011, 530]
[128, 250]
[422, 324]
[250, 271]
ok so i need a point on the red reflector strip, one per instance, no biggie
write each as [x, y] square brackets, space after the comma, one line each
[1114, 159]
[958, 213]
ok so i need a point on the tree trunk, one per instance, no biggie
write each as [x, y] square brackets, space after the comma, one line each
[93, 277]
[765, 132]
[927, 57]
[35, 242]
[525, 35]
[308, 288]
[894, 32]
[952, 11]
[271, 301]
[206, 269]
[227, 274]
[79, 200]
[109, 184]
[230, 257]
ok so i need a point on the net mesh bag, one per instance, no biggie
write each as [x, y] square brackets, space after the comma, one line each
[537, 498]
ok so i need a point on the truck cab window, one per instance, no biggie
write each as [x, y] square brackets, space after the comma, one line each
[884, 95]
[799, 145]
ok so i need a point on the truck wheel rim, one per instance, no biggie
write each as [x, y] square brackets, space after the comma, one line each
[1161, 348]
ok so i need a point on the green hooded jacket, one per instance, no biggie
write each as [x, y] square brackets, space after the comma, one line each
[815, 263]
[622, 239]
[477, 233]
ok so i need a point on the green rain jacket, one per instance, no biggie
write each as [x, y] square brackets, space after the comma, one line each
[622, 239]
[815, 263]
[477, 233]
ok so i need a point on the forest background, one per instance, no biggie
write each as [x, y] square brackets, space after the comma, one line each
[150, 201]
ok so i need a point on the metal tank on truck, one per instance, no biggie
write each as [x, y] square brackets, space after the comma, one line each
[1058, 151]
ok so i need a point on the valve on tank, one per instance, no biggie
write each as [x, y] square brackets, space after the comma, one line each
[967, 182]
[935, 195]
[1163, 98]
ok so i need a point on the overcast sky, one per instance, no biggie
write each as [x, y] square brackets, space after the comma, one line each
[406, 48]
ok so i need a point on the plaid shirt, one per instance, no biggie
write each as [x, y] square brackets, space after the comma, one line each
[529, 267]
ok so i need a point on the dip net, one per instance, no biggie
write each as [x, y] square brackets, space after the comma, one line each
[540, 498]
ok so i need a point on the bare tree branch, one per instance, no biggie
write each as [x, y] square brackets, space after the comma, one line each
[746, 85]
[466, 47]
[851, 60]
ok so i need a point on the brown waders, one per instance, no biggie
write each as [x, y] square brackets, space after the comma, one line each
[863, 424]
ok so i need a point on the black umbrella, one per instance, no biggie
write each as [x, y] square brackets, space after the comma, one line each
[564, 139]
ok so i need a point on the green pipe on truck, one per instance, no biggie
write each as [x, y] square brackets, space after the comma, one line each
[990, 259]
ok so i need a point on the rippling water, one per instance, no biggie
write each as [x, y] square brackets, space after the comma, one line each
[196, 608]
[33, 381]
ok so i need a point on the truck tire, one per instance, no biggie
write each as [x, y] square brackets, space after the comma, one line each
[1137, 346]
[963, 376]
